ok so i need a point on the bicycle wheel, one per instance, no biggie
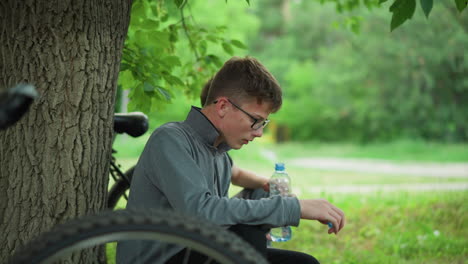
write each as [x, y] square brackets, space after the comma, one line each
[161, 225]
[119, 188]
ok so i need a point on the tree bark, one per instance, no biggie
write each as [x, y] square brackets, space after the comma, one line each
[54, 162]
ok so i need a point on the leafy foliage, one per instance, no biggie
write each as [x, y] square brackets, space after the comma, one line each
[367, 86]
[402, 10]
[370, 86]
[426, 5]
[461, 4]
[152, 61]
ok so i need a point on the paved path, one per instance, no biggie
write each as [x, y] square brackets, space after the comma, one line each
[372, 188]
[445, 170]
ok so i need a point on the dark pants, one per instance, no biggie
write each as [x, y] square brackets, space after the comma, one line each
[254, 235]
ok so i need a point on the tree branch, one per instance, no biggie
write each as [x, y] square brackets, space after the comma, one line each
[184, 25]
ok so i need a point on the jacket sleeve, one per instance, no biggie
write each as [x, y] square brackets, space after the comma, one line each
[170, 167]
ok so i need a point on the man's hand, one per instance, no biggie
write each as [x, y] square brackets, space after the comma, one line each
[266, 186]
[324, 212]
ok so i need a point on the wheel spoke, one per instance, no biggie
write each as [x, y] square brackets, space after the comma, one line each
[198, 237]
[187, 256]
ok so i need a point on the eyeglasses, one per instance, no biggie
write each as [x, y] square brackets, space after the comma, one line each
[257, 124]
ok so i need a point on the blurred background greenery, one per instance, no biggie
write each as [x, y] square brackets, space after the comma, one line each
[353, 91]
[345, 76]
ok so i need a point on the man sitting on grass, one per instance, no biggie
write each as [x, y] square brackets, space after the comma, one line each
[185, 167]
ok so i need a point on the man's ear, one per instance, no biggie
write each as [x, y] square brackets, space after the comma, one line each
[222, 106]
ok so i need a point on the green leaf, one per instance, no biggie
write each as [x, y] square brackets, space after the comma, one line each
[214, 59]
[427, 6]
[179, 3]
[139, 100]
[154, 10]
[148, 87]
[124, 66]
[370, 4]
[402, 10]
[248, 2]
[220, 29]
[171, 79]
[154, 77]
[150, 24]
[202, 47]
[173, 33]
[159, 39]
[148, 90]
[137, 71]
[173, 60]
[141, 36]
[212, 38]
[139, 10]
[165, 93]
[238, 44]
[461, 4]
[165, 17]
[382, 1]
[356, 27]
[228, 48]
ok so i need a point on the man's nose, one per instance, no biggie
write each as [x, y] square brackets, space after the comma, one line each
[258, 132]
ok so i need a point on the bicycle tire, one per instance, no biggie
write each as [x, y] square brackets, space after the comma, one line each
[119, 188]
[111, 226]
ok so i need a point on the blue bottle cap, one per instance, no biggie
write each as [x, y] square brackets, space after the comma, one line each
[279, 166]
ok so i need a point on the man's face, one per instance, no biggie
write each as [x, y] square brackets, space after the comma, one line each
[237, 125]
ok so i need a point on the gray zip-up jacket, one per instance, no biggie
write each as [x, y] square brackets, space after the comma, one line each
[180, 169]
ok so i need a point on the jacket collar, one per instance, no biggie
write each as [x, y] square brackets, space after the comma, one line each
[204, 128]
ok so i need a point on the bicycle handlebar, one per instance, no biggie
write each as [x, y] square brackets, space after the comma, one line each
[15, 102]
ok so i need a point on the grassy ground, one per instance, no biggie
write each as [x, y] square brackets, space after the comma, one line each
[388, 228]
[401, 151]
[393, 227]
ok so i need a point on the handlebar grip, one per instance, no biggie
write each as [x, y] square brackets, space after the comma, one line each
[15, 102]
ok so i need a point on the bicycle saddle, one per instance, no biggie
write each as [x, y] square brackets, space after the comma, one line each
[135, 124]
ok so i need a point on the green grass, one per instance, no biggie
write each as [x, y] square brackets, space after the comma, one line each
[391, 228]
[405, 228]
[400, 151]
[382, 227]
[403, 151]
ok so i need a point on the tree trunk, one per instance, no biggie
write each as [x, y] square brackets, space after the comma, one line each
[54, 162]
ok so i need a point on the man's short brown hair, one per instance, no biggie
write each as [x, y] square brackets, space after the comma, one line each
[204, 92]
[243, 78]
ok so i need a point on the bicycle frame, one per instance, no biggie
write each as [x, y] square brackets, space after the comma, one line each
[116, 173]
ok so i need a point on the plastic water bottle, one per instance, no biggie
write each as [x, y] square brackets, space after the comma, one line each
[280, 184]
